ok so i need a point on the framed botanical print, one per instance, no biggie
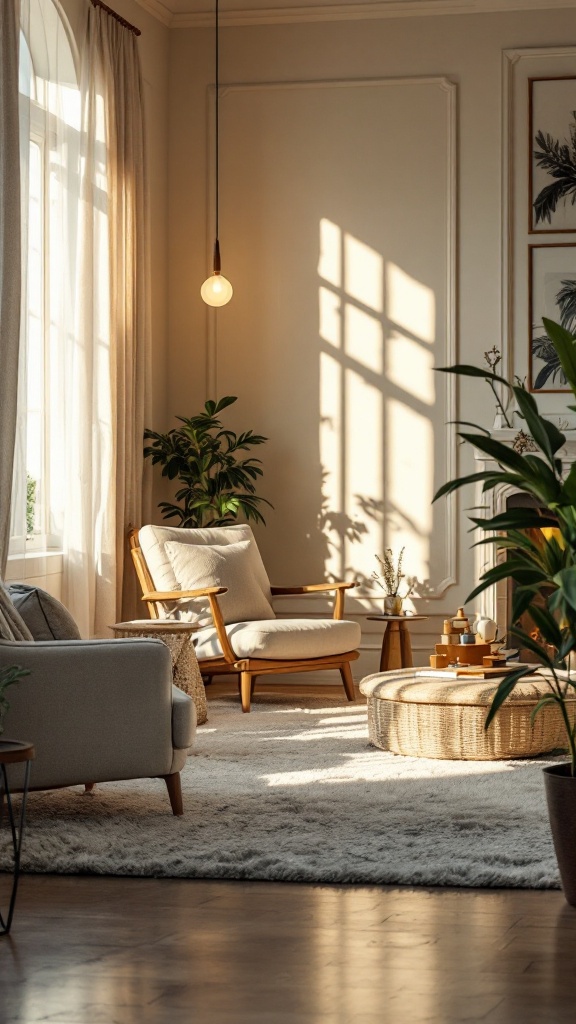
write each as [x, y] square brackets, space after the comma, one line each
[552, 160]
[552, 291]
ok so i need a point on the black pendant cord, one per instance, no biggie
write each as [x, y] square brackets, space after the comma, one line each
[217, 62]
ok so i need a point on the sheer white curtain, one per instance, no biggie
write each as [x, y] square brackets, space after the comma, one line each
[113, 323]
[10, 259]
[86, 345]
[114, 320]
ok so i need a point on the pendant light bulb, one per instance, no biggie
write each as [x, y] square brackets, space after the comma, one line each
[216, 290]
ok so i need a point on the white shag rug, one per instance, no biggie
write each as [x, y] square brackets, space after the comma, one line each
[296, 794]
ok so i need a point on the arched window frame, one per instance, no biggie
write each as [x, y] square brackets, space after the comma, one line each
[41, 533]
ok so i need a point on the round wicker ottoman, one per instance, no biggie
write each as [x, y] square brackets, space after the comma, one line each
[417, 715]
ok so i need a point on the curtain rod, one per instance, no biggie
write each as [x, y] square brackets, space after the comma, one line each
[99, 3]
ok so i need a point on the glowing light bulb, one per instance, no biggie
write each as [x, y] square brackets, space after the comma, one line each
[216, 290]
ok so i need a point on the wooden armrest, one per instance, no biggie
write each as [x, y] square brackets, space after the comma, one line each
[311, 588]
[212, 594]
[178, 595]
[318, 588]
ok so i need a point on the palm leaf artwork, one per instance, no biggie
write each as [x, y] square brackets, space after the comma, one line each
[217, 483]
[543, 348]
[558, 159]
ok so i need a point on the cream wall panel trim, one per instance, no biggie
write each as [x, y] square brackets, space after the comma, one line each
[449, 578]
[159, 10]
[349, 12]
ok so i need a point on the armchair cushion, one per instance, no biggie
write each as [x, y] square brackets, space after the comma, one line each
[183, 720]
[153, 541]
[284, 639]
[221, 565]
[46, 618]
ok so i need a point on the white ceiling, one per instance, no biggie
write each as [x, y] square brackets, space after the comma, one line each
[199, 13]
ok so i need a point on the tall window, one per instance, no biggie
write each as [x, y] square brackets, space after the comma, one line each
[49, 120]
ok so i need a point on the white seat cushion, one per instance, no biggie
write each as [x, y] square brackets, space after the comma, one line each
[221, 565]
[283, 639]
[153, 540]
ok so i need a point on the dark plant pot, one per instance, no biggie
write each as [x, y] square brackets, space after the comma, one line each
[561, 797]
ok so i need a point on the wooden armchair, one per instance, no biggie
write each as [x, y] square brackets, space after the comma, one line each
[253, 637]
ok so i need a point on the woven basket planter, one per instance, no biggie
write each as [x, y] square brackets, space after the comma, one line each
[435, 725]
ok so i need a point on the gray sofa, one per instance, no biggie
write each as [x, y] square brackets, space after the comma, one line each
[98, 711]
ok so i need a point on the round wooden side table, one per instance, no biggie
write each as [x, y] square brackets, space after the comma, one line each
[178, 639]
[13, 752]
[396, 646]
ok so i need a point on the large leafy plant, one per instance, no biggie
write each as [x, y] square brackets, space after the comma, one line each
[542, 564]
[218, 484]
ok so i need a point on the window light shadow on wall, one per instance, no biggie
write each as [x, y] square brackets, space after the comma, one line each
[377, 332]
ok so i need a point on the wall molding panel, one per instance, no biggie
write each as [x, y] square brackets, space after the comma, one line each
[253, 111]
[310, 13]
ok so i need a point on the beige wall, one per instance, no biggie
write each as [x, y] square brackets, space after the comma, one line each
[465, 49]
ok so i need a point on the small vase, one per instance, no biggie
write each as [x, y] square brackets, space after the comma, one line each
[392, 605]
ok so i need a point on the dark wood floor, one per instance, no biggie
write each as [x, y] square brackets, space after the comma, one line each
[90, 950]
[145, 951]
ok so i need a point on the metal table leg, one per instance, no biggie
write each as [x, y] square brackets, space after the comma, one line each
[17, 831]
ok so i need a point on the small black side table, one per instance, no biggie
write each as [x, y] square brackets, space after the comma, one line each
[13, 752]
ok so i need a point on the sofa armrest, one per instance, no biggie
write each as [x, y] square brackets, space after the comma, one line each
[95, 710]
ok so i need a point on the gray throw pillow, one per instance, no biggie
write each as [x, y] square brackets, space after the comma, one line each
[12, 625]
[46, 618]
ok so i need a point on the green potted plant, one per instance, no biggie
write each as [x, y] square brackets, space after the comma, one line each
[542, 565]
[8, 676]
[218, 484]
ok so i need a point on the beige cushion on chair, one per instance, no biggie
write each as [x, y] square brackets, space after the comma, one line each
[221, 565]
[284, 639]
[153, 540]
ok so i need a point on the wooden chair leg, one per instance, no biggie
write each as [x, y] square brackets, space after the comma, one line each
[348, 680]
[89, 786]
[174, 788]
[246, 690]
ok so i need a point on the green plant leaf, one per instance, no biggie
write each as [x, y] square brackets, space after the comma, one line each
[465, 370]
[565, 346]
[223, 403]
[504, 690]
[566, 581]
[568, 492]
[522, 598]
[532, 645]
[501, 453]
[550, 698]
[466, 423]
[510, 569]
[547, 625]
[568, 645]
[453, 485]
[546, 435]
[517, 519]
